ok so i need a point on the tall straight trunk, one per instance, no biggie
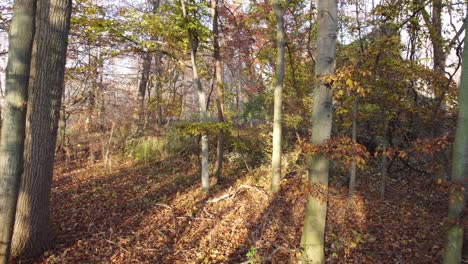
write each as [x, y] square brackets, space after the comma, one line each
[437, 38]
[63, 127]
[21, 39]
[157, 88]
[383, 171]
[278, 100]
[434, 24]
[32, 233]
[193, 45]
[219, 88]
[313, 234]
[93, 93]
[454, 240]
[352, 178]
[145, 75]
[438, 49]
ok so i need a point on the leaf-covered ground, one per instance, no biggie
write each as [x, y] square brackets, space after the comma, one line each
[155, 213]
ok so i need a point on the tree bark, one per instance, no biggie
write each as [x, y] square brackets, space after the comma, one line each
[21, 39]
[313, 234]
[384, 166]
[193, 45]
[436, 38]
[434, 25]
[352, 178]
[219, 88]
[278, 98]
[145, 74]
[32, 233]
[454, 240]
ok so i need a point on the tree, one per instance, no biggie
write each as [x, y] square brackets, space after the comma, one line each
[219, 87]
[312, 241]
[193, 42]
[146, 71]
[454, 240]
[279, 78]
[434, 26]
[21, 39]
[278, 93]
[33, 232]
[143, 85]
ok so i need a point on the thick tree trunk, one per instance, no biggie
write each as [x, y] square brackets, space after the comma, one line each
[193, 45]
[313, 234]
[32, 233]
[278, 100]
[454, 241]
[219, 88]
[352, 178]
[21, 39]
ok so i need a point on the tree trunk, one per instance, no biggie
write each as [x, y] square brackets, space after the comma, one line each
[454, 239]
[434, 25]
[32, 233]
[219, 87]
[145, 74]
[352, 179]
[21, 39]
[63, 127]
[157, 88]
[279, 72]
[193, 45]
[436, 37]
[383, 172]
[313, 234]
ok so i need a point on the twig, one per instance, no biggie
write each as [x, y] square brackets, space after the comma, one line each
[112, 242]
[195, 218]
[210, 215]
[160, 232]
[172, 211]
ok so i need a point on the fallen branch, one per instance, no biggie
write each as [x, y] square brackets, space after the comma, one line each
[230, 194]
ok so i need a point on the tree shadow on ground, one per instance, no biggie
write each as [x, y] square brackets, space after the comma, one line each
[275, 234]
[126, 213]
[156, 213]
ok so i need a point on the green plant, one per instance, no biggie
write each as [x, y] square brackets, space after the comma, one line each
[252, 256]
[145, 148]
[173, 143]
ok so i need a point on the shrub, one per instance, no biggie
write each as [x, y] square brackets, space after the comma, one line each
[148, 147]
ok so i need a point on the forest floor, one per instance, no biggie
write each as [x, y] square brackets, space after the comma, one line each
[156, 213]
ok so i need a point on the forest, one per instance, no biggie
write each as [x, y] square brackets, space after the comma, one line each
[233, 131]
